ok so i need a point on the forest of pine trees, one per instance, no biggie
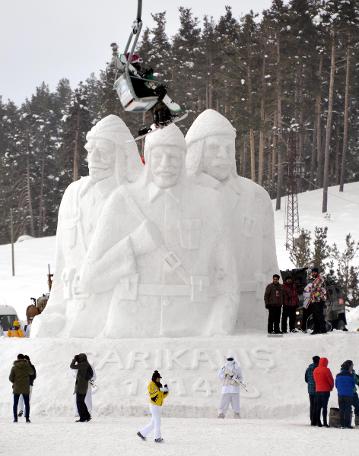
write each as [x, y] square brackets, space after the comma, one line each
[294, 70]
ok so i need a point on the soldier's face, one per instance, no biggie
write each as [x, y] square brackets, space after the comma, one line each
[218, 156]
[100, 158]
[166, 165]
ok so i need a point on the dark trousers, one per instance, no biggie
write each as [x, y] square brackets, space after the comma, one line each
[322, 400]
[82, 407]
[26, 402]
[356, 404]
[274, 318]
[318, 317]
[345, 407]
[288, 312]
[312, 410]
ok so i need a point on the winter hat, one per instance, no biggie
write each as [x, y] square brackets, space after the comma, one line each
[315, 270]
[316, 360]
[135, 58]
[347, 364]
[209, 123]
[155, 375]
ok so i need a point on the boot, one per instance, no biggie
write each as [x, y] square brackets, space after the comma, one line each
[220, 415]
[159, 440]
[237, 415]
[141, 436]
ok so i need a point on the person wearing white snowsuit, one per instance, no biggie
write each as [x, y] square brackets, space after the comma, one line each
[231, 376]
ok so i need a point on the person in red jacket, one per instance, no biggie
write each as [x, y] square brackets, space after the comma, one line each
[324, 383]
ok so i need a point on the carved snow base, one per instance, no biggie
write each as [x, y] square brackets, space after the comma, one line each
[273, 370]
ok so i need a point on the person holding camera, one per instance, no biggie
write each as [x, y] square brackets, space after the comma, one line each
[157, 394]
[84, 375]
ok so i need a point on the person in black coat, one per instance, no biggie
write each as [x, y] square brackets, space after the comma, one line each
[273, 299]
[84, 375]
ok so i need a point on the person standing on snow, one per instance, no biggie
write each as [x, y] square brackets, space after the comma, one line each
[324, 383]
[157, 394]
[317, 297]
[273, 299]
[231, 376]
[31, 379]
[90, 391]
[309, 379]
[20, 378]
[345, 384]
[84, 375]
[356, 398]
[290, 304]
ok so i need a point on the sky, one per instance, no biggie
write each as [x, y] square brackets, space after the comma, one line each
[46, 40]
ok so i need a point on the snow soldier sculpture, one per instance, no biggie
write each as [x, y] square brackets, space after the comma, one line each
[160, 247]
[112, 160]
[211, 163]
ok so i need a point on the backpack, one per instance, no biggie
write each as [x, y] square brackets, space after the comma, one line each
[89, 373]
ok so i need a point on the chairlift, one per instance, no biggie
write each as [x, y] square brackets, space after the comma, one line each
[124, 85]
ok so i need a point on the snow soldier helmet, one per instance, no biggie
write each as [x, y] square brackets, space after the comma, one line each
[114, 129]
[208, 123]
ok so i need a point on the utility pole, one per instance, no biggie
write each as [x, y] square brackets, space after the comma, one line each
[295, 171]
[12, 243]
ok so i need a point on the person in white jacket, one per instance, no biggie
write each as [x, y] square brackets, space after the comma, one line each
[231, 377]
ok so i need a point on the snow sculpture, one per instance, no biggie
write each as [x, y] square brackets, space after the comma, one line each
[112, 160]
[211, 162]
[160, 247]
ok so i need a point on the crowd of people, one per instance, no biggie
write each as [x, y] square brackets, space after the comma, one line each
[283, 301]
[23, 375]
[320, 383]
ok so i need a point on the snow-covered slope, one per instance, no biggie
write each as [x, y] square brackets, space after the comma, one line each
[32, 256]
[342, 217]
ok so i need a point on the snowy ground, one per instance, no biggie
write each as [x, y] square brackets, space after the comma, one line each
[190, 437]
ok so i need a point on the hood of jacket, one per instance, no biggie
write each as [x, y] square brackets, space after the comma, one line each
[21, 363]
[323, 362]
[344, 373]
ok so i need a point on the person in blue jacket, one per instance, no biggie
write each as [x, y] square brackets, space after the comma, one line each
[309, 379]
[345, 385]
